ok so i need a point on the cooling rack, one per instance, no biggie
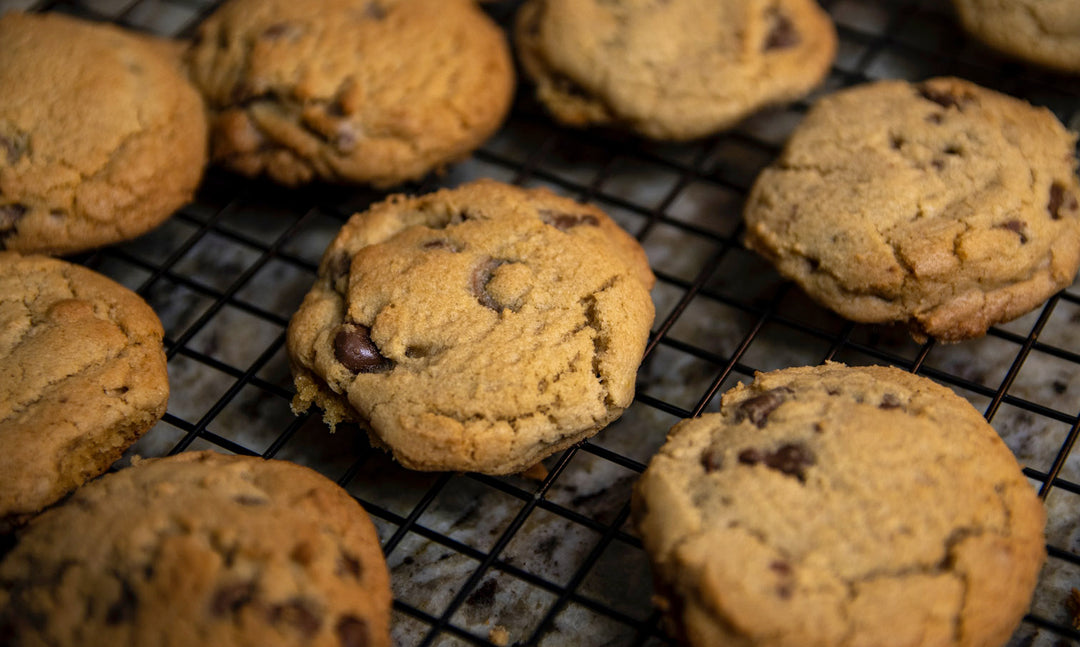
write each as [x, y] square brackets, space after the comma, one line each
[479, 560]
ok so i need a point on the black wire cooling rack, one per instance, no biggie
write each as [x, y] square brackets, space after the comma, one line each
[553, 561]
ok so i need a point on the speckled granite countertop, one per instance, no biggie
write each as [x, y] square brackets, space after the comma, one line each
[554, 562]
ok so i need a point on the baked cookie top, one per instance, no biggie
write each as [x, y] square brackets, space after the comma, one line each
[366, 91]
[1045, 32]
[480, 328]
[200, 549]
[840, 506]
[101, 136]
[941, 205]
[82, 376]
[671, 70]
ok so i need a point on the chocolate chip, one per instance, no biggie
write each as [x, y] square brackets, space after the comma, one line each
[481, 276]
[349, 565]
[123, 609]
[890, 401]
[353, 348]
[296, 613]
[711, 460]
[1059, 198]
[232, 597]
[374, 11]
[896, 142]
[11, 214]
[14, 147]
[248, 499]
[1017, 226]
[780, 568]
[791, 459]
[758, 408]
[563, 221]
[782, 34]
[944, 98]
[352, 632]
[565, 85]
[938, 163]
[953, 149]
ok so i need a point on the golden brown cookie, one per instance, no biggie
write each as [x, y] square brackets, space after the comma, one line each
[82, 377]
[195, 550]
[831, 505]
[101, 136]
[481, 328]
[1045, 32]
[940, 205]
[671, 70]
[365, 91]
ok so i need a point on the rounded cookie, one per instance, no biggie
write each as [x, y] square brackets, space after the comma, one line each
[479, 329]
[940, 205]
[101, 136]
[350, 91]
[840, 506]
[671, 70]
[199, 549]
[1045, 32]
[82, 377]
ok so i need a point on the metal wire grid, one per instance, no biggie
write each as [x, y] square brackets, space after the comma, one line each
[553, 561]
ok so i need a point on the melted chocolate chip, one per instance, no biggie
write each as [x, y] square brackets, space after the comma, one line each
[296, 613]
[353, 348]
[711, 460]
[123, 609]
[758, 408]
[1059, 198]
[782, 33]
[349, 565]
[890, 401]
[1017, 226]
[352, 632]
[232, 597]
[563, 221]
[791, 459]
[481, 276]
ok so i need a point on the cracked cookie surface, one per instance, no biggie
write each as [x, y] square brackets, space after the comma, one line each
[840, 506]
[101, 136]
[82, 377]
[671, 70]
[350, 91]
[1046, 32]
[199, 549]
[480, 328]
[940, 205]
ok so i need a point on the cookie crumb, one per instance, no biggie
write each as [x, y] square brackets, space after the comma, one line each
[535, 473]
[501, 637]
[1072, 603]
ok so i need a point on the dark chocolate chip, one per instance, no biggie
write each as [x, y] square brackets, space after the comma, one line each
[374, 11]
[563, 221]
[782, 33]
[232, 597]
[481, 276]
[123, 609]
[353, 348]
[248, 499]
[1059, 198]
[896, 142]
[953, 149]
[758, 408]
[711, 460]
[791, 459]
[943, 98]
[890, 401]
[11, 214]
[296, 613]
[349, 565]
[1017, 226]
[352, 632]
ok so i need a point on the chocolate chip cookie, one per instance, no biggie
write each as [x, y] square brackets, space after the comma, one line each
[199, 549]
[480, 328]
[82, 377]
[350, 91]
[101, 135]
[671, 70]
[940, 205]
[840, 506]
[1045, 32]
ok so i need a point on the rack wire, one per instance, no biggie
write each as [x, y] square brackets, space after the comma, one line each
[479, 560]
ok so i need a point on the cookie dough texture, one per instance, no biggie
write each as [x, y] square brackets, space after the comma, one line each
[478, 329]
[199, 549]
[940, 205]
[102, 137]
[350, 91]
[82, 376]
[836, 506]
[1045, 32]
[671, 70]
